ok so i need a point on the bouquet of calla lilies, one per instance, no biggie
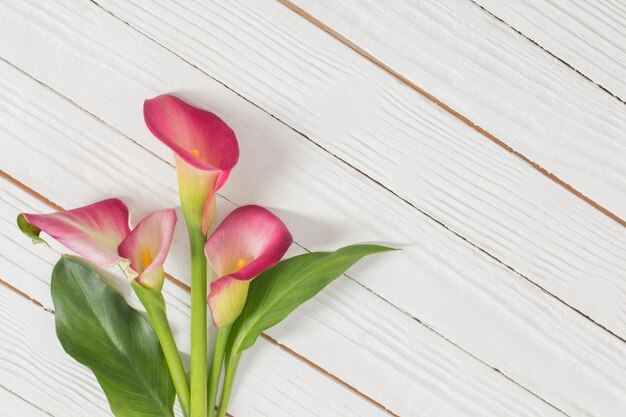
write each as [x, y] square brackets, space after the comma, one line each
[246, 290]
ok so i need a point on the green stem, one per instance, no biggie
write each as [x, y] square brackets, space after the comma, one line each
[155, 306]
[216, 364]
[229, 377]
[198, 323]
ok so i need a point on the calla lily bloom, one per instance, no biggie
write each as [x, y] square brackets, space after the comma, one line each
[205, 149]
[249, 240]
[147, 247]
[99, 232]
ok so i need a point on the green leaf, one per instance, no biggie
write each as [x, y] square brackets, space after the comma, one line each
[29, 229]
[98, 329]
[275, 293]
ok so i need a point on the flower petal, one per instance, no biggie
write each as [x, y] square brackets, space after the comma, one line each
[248, 241]
[197, 136]
[147, 247]
[205, 147]
[226, 300]
[93, 232]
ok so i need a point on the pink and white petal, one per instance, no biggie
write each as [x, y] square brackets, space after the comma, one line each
[93, 232]
[148, 244]
[226, 299]
[248, 241]
[197, 136]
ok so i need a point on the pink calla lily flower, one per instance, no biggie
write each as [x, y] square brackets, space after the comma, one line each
[99, 232]
[205, 149]
[249, 240]
[147, 247]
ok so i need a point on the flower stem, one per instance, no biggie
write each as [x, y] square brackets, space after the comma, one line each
[229, 378]
[155, 306]
[216, 364]
[198, 323]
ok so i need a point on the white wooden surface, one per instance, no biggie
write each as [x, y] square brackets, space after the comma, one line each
[357, 122]
[589, 38]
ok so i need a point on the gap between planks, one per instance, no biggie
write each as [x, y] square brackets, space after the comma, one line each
[187, 288]
[5, 388]
[399, 77]
[537, 44]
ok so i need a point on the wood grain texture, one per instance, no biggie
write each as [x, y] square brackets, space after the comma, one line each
[501, 82]
[408, 369]
[428, 158]
[297, 390]
[450, 285]
[588, 36]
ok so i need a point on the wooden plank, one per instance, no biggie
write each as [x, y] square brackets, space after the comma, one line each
[442, 280]
[420, 371]
[432, 160]
[483, 71]
[296, 390]
[588, 36]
